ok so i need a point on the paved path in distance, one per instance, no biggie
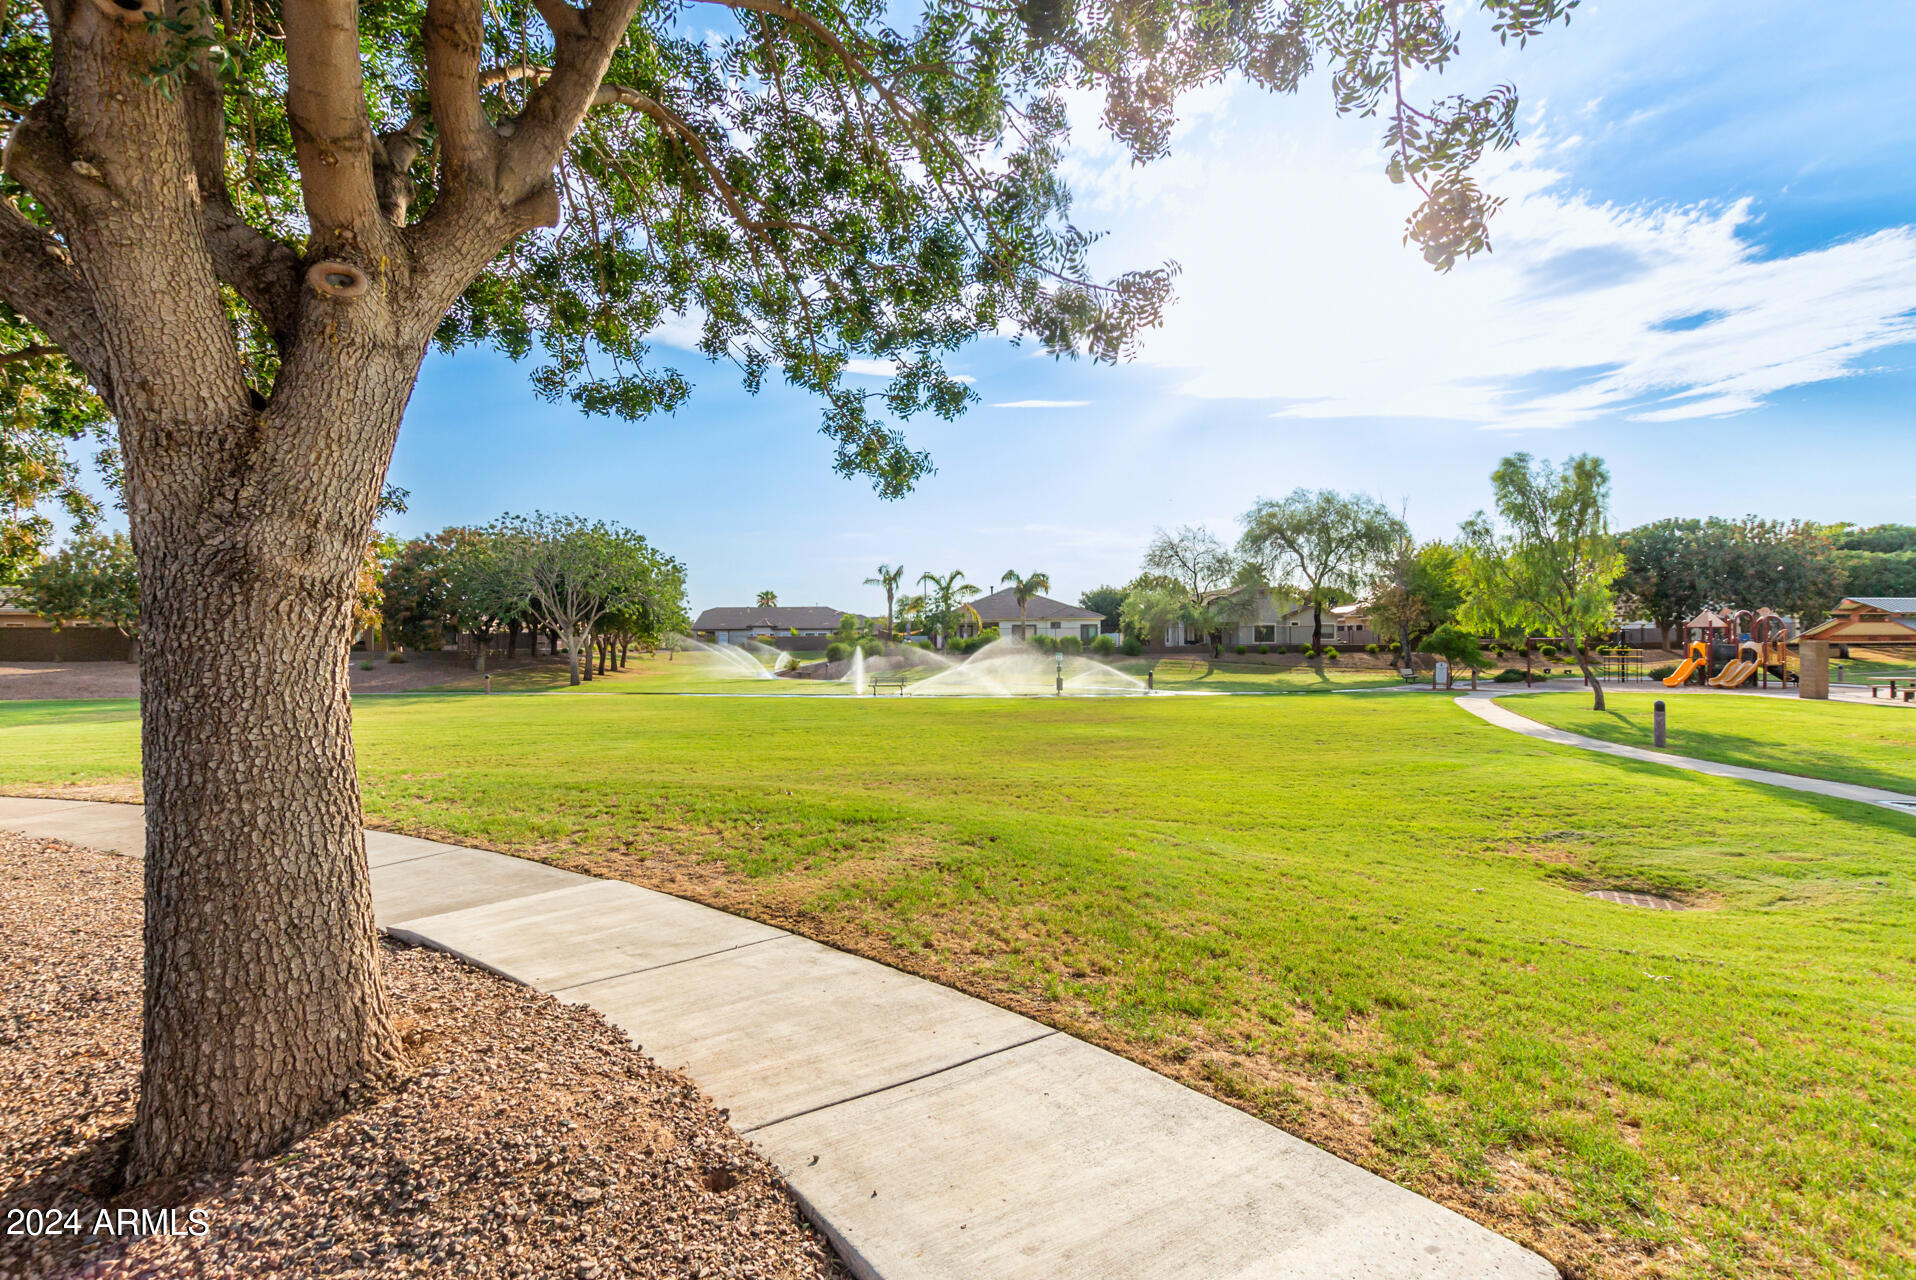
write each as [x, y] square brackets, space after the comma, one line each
[1482, 704]
[932, 1136]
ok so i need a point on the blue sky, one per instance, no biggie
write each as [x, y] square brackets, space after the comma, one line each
[1706, 274]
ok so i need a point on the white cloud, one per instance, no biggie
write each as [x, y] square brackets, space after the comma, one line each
[1296, 287]
[889, 368]
[1041, 404]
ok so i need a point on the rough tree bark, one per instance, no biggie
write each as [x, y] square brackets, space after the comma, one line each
[249, 511]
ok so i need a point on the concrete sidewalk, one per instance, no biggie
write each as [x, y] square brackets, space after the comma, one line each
[930, 1135]
[1482, 704]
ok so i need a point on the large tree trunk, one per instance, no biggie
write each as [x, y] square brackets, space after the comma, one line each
[263, 1009]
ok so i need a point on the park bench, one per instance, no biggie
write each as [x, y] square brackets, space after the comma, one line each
[889, 681]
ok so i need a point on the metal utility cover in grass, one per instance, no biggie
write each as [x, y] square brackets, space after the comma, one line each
[1649, 900]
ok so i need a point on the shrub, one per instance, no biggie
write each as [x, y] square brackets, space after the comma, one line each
[837, 651]
[1372, 649]
[1663, 672]
[1330, 651]
[1132, 646]
[393, 655]
[1043, 644]
[1547, 650]
[1242, 649]
[1264, 648]
[1509, 675]
[1309, 652]
[1071, 644]
[1105, 645]
[365, 666]
[922, 644]
[871, 647]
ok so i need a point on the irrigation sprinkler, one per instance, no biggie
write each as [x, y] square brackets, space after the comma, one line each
[1656, 732]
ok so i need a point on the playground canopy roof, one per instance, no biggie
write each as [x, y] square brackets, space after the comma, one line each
[1869, 620]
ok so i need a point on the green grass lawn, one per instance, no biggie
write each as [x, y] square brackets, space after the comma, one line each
[1362, 918]
[1873, 746]
[702, 673]
[1200, 675]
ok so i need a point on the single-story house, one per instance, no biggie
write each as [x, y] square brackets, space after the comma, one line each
[1868, 620]
[738, 625]
[1043, 616]
[1279, 617]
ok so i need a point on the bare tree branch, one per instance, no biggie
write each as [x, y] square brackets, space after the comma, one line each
[38, 280]
[264, 272]
[561, 101]
[326, 103]
[468, 145]
[562, 18]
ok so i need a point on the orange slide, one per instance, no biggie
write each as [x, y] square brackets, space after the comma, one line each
[1698, 655]
[1740, 670]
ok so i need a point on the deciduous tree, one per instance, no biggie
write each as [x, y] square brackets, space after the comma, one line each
[1322, 540]
[1108, 601]
[1192, 556]
[1549, 555]
[93, 578]
[244, 225]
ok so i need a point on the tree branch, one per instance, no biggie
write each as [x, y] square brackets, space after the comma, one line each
[264, 272]
[468, 145]
[560, 102]
[332, 136]
[38, 279]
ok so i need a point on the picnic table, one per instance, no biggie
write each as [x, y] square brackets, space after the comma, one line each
[1908, 684]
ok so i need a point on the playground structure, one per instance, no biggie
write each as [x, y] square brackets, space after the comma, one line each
[1753, 646]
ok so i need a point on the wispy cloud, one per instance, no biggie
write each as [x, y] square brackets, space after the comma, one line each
[1294, 289]
[1041, 404]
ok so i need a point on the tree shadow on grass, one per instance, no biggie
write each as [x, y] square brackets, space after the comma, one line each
[1855, 812]
[1746, 751]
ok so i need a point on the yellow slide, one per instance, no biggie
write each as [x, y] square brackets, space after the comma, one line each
[1690, 664]
[1682, 673]
[1734, 674]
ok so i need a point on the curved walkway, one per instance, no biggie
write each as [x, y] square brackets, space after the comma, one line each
[1482, 704]
[930, 1135]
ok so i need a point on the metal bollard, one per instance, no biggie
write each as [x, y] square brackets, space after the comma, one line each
[488, 682]
[1657, 734]
[1151, 681]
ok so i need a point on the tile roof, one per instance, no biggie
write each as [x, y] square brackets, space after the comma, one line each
[1002, 606]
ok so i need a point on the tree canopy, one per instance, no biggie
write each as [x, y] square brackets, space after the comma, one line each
[1321, 540]
[1548, 558]
[799, 184]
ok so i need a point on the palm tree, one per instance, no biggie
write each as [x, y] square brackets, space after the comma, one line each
[910, 609]
[1024, 589]
[768, 599]
[945, 593]
[888, 577]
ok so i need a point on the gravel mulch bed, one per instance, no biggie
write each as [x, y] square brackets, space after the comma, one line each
[533, 1140]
